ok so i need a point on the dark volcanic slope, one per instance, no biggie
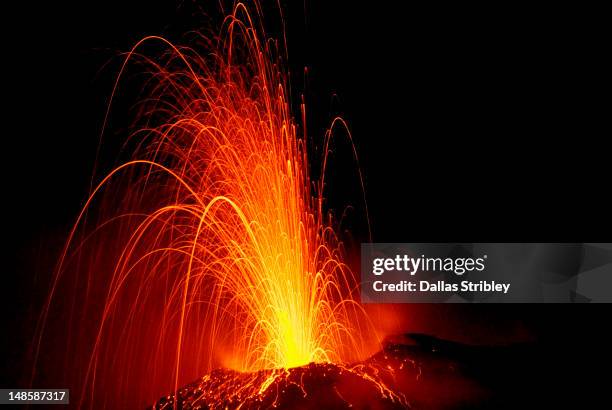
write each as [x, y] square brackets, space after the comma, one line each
[412, 371]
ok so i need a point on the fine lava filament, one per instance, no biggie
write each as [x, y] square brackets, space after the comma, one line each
[208, 246]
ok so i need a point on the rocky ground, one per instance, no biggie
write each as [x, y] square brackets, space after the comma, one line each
[412, 371]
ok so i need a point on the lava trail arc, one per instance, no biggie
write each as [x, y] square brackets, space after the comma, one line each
[208, 245]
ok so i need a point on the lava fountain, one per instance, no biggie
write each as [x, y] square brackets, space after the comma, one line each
[208, 246]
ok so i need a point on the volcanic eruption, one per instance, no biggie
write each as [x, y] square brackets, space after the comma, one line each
[208, 246]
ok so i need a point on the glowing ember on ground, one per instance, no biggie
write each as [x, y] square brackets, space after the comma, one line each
[411, 371]
[322, 385]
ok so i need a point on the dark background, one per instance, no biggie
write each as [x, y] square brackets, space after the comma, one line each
[471, 124]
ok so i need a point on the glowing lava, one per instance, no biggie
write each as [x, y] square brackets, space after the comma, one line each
[209, 246]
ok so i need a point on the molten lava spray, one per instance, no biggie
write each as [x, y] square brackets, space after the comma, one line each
[209, 245]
